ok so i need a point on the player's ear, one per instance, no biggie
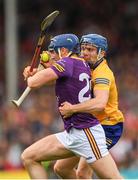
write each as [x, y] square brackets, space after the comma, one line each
[103, 53]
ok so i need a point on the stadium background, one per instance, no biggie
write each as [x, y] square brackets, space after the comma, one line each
[38, 116]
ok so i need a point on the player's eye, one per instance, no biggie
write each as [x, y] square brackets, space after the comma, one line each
[89, 49]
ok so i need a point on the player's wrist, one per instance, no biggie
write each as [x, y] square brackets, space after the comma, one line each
[73, 109]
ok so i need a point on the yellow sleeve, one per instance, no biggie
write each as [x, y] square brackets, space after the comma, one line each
[102, 79]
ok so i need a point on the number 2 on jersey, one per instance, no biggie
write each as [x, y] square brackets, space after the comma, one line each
[81, 97]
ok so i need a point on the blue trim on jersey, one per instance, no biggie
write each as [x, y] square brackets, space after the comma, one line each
[113, 133]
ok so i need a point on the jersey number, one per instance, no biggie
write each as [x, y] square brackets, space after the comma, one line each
[81, 97]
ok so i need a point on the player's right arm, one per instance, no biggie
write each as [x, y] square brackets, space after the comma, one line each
[101, 89]
[96, 104]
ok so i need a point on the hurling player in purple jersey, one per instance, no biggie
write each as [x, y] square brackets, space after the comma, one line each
[83, 135]
[104, 104]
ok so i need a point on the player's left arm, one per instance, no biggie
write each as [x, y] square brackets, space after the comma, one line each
[42, 77]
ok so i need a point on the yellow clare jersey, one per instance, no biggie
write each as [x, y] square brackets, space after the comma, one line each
[103, 79]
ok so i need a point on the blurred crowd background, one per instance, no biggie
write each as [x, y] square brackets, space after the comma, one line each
[38, 116]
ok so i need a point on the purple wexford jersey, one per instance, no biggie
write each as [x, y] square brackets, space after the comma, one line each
[73, 85]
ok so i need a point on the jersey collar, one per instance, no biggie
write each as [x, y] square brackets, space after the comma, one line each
[94, 66]
[78, 58]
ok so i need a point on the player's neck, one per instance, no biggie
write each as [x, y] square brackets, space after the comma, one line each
[96, 64]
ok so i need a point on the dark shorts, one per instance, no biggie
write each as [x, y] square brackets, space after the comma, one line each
[113, 134]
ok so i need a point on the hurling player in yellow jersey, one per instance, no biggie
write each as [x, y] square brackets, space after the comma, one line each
[104, 105]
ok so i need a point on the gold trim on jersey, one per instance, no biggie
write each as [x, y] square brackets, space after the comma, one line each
[109, 141]
[93, 144]
[59, 67]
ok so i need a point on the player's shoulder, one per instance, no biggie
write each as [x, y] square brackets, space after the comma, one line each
[104, 67]
[75, 61]
[103, 70]
[66, 60]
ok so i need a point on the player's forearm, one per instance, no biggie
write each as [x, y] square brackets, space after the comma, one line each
[89, 106]
[42, 77]
[45, 66]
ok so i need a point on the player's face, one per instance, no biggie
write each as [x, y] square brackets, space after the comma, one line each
[54, 56]
[89, 52]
